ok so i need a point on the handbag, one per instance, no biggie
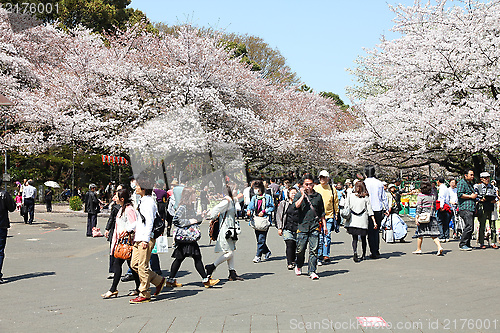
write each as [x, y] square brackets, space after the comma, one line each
[24, 210]
[388, 233]
[123, 249]
[188, 234]
[96, 232]
[424, 218]
[260, 223]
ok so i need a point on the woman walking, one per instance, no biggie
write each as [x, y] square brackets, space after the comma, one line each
[261, 205]
[287, 220]
[185, 217]
[226, 240]
[427, 225]
[125, 218]
[361, 210]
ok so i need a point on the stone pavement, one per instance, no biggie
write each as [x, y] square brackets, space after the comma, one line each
[55, 275]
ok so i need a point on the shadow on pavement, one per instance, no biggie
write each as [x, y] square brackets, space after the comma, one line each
[252, 276]
[175, 293]
[388, 255]
[331, 273]
[276, 258]
[28, 276]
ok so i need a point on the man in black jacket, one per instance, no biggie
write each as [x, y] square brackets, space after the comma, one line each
[7, 205]
[92, 207]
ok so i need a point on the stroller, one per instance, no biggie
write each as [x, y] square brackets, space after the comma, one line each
[394, 229]
[458, 224]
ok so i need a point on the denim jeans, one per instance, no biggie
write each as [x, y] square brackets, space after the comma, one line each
[261, 243]
[443, 219]
[303, 238]
[325, 240]
[3, 241]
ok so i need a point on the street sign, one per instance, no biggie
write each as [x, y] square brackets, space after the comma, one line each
[6, 177]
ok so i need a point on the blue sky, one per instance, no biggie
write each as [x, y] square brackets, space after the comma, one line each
[319, 38]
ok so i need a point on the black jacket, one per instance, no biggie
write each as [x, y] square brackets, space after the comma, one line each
[7, 205]
[92, 203]
[110, 226]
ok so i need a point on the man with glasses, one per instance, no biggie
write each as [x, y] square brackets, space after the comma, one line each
[311, 223]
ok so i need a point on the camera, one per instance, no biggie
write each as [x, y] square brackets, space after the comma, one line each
[231, 234]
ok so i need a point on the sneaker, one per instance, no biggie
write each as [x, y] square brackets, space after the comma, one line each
[298, 271]
[465, 248]
[210, 282]
[320, 263]
[326, 259]
[111, 276]
[439, 252]
[314, 276]
[256, 259]
[139, 299]
[267, 255]
[494, 246]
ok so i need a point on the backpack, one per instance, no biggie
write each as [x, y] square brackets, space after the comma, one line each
[158, 224]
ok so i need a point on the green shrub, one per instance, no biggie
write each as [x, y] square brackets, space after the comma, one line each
[75, 203]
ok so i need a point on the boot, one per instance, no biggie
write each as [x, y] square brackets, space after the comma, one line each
[210, 269]
[172, 283]
[209, 282]
[233, 276]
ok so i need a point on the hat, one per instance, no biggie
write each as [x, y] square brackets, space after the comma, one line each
[355, 181]
[324, 173]
[390, 186]
[174, 182]
[384, 183]
[347, 181]
[484, 175]
[91, 186]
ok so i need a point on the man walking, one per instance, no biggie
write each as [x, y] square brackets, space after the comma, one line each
[92, 207]
[380, 206]
[466, 207]
[331, 205]
[312, 216]
[29, 195]
[487, 197]
[443, 213]
[7, 205]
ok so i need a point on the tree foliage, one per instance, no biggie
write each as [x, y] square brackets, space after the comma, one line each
[431, 96]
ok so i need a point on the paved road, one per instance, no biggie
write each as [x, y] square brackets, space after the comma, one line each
[55, 276]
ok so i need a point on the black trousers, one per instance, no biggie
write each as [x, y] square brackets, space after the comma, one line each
[30, 205]
[48, 204]
[373, 234]
[91, 223]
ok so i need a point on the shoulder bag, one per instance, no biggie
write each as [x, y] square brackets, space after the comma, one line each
[260, 223]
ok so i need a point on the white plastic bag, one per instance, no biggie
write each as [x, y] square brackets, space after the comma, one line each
[162, 244]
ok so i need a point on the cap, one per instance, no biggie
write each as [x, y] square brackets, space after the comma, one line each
[324, 173]
[174, 182]
[384, 183]
[390, 186]
[484, 175]
[91, 186]
[347, 181]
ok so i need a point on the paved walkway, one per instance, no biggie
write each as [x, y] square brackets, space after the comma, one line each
[55, 276]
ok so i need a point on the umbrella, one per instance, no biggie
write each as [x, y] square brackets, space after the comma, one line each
[51, 183]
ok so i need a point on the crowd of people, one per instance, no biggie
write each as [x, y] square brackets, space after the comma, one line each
[306, 214]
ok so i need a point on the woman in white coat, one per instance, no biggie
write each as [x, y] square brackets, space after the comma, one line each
[361, 210]
[228, 235]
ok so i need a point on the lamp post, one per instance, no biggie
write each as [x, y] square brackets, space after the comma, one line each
[5, 102]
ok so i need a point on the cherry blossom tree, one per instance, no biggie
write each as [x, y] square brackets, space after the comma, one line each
[431, 96]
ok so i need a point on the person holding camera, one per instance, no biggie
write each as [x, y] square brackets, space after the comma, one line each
[228, 235]
[487, 196]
